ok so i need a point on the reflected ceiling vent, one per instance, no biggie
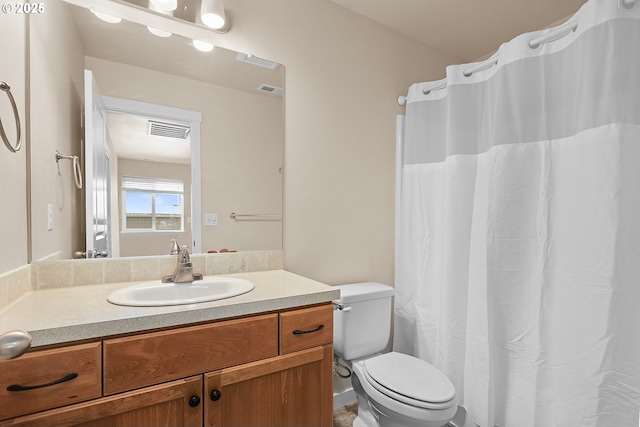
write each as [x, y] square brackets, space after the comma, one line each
[270, 89]
[254, 60]
[168, 130]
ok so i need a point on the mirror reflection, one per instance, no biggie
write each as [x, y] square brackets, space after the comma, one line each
[160, 188]
[154, 175]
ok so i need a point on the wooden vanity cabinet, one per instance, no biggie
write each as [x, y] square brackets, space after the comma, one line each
[264, 370]
[286, 391]
[293, 389]
[170, 404]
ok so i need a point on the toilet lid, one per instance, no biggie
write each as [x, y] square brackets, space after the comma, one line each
[410, 380]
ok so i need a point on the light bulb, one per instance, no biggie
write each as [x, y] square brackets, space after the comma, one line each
[212, 13]
[158, 32]
[212, 21]
[202, 46]
[106, 17]
[169, 5]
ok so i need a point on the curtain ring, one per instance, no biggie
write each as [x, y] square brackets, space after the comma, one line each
[6, 88]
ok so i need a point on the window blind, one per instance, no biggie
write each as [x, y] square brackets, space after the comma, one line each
[158, 185]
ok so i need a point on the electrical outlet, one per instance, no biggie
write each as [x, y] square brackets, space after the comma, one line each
[49, 217]
[210, 219]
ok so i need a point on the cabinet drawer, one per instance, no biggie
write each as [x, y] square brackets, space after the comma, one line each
[50, 378]
[305, 328]
[152, 358]
[167, 404]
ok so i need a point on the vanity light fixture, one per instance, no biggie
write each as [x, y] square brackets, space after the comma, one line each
[212, 13]
[158, 32]
[106, 17]
[167, 5]
[202, 46]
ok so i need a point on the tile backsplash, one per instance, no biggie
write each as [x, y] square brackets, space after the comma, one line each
[65, 273]
[14, 284]
[58, 273]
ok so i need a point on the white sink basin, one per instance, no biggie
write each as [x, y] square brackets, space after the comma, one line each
[155, 294]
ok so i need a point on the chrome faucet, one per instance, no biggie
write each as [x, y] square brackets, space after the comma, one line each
[175, 248]
[184, 270]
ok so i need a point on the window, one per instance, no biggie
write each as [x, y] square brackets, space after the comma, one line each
[152, 205]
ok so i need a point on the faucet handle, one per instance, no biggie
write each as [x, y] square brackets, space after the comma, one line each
[184, 257]
[175, 248]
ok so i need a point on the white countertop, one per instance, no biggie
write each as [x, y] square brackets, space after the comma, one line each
[61, 315]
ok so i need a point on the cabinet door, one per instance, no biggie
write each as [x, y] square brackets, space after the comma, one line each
[291, 390]
[172, 405]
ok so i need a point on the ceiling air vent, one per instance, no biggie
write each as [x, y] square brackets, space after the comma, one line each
[254, 60]
[270, 89]
[168, 130]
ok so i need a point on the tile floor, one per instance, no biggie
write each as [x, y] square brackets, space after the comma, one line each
[343, 417]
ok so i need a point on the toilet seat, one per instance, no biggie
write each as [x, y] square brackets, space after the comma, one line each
[409, 380]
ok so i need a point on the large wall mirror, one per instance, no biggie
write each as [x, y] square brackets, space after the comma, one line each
[214, 187]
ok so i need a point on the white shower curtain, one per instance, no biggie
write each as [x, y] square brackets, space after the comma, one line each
[518, 259]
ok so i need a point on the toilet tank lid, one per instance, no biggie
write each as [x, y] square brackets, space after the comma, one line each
[364, 291]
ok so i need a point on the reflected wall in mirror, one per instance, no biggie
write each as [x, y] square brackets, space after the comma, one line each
[242, 136]
[150, 168]
[155, 177]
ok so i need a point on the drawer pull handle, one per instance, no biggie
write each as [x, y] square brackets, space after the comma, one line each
[299, 332]
[16, 387]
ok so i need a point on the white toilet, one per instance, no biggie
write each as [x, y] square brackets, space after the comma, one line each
[393, 389]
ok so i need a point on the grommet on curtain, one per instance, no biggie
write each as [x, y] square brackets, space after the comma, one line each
[555, 34]
[439, 86]
[480, 67]
[628, 4]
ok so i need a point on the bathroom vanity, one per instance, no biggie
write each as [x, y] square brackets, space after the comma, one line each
[260, 359]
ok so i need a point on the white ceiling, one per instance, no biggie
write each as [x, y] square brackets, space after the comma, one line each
[466, 29]
[131, 140]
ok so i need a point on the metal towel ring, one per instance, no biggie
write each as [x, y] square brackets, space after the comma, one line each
[77, 172]
[5, 87]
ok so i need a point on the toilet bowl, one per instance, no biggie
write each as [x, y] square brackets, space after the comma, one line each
[405, 391]
[392, 389]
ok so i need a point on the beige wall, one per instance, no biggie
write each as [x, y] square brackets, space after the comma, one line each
[343, 75]
[137, 244]
[241, 148]
[13, 222]
[56, 102]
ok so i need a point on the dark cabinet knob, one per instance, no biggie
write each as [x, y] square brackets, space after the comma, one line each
[215, 395]
[194, 401]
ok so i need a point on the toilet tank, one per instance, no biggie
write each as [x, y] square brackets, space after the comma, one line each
[362, 327]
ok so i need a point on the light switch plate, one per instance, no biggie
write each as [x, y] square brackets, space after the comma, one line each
[210, 219]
